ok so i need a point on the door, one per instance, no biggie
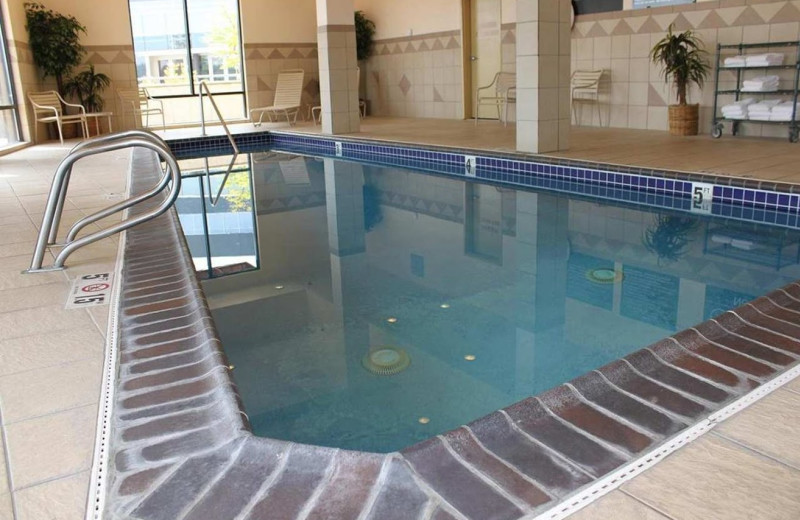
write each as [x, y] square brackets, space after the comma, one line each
[486, 57]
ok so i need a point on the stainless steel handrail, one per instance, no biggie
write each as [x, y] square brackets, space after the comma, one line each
[204, 85]
[211, 199]
[108, 144]
[51, 239]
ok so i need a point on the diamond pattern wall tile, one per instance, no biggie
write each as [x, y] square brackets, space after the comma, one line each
[405, 85]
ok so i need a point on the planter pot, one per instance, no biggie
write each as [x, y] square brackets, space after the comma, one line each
[683, 119]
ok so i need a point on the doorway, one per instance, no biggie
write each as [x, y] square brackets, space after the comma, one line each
[483, 52]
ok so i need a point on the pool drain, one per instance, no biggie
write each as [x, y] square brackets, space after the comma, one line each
[604, 275]
[386, 361]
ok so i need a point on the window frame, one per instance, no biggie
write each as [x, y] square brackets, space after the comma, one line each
[193, 91]
[12, 93]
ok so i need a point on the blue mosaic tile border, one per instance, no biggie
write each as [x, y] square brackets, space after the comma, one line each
[624, 184]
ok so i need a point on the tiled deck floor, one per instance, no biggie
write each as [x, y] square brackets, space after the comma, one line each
[771, 159]
[50, 358]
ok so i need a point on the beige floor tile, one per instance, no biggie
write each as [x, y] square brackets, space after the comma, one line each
[52, 318]
[716, 479]
[15, 263]
[781, 411]
[21, 248]
[15, 219]
[49, 349]
[53, 446]
[4, 485]
[48, 390]
[36, 296]
[617, 506]
[62, 499]
[6, 509]
[99, 314]
[16, 279]
[14, 233]
[794, 384]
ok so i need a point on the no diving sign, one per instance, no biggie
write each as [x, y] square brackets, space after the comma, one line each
[90, 289]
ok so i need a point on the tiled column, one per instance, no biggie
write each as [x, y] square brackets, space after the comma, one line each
[543, 73]
[338, 83]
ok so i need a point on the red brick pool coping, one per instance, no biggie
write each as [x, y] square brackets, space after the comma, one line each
[181, 445]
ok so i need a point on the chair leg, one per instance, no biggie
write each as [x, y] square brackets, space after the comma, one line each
[60, 133]
[35, 131]
[599, 114]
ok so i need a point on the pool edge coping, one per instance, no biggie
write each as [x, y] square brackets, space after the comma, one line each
[387, 460]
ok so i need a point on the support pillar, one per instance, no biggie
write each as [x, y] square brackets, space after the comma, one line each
[338, 80]
[543, 75]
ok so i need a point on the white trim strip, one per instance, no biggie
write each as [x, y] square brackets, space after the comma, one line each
[614, 480]
[98, 480]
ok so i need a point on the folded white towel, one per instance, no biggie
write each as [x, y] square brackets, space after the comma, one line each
[760, 60]
[761, 84]
[735, 61]
[734, 110]
[764, 105]
[741, 103]
[787, 107]
[747, 245]
[780, 117]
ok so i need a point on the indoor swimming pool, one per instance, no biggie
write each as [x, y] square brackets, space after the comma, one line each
[372, 307]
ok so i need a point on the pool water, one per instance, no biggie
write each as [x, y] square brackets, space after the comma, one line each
[370, 308]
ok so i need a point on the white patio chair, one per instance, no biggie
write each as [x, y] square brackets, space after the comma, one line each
[288, 94]
[47, 108]
[138, 102]
[499, 93]
[585, 89]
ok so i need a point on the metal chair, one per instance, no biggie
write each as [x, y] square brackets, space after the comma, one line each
[47, 109]
[585, 89]
[499, 93]
[137, 101]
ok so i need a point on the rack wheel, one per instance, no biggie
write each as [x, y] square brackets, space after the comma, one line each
[716, 131]
[793, 135]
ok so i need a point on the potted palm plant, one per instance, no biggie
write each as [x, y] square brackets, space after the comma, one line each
[683, 61]
[365, 32]
[669, 236]
[54, 41]
[88, 86]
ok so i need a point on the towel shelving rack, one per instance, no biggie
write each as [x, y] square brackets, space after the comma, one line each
[717, 124]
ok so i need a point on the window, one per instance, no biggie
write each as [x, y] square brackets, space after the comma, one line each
[640, 4]
[9, 123]
[178, 44]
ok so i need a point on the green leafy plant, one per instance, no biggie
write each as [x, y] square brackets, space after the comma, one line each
[683, 60]
[54, 41]
[669, 238]
[365, 31]
[88, 86]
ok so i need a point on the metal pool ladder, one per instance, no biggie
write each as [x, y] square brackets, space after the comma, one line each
[211, 198]
[58, 194]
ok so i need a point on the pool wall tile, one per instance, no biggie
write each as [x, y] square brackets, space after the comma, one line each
[672, 190]
[181, 445]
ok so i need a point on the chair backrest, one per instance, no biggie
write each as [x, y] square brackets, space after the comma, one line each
[289, 90]
[586, 81]
[504, 81]
[135, 96]
[45, 102]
